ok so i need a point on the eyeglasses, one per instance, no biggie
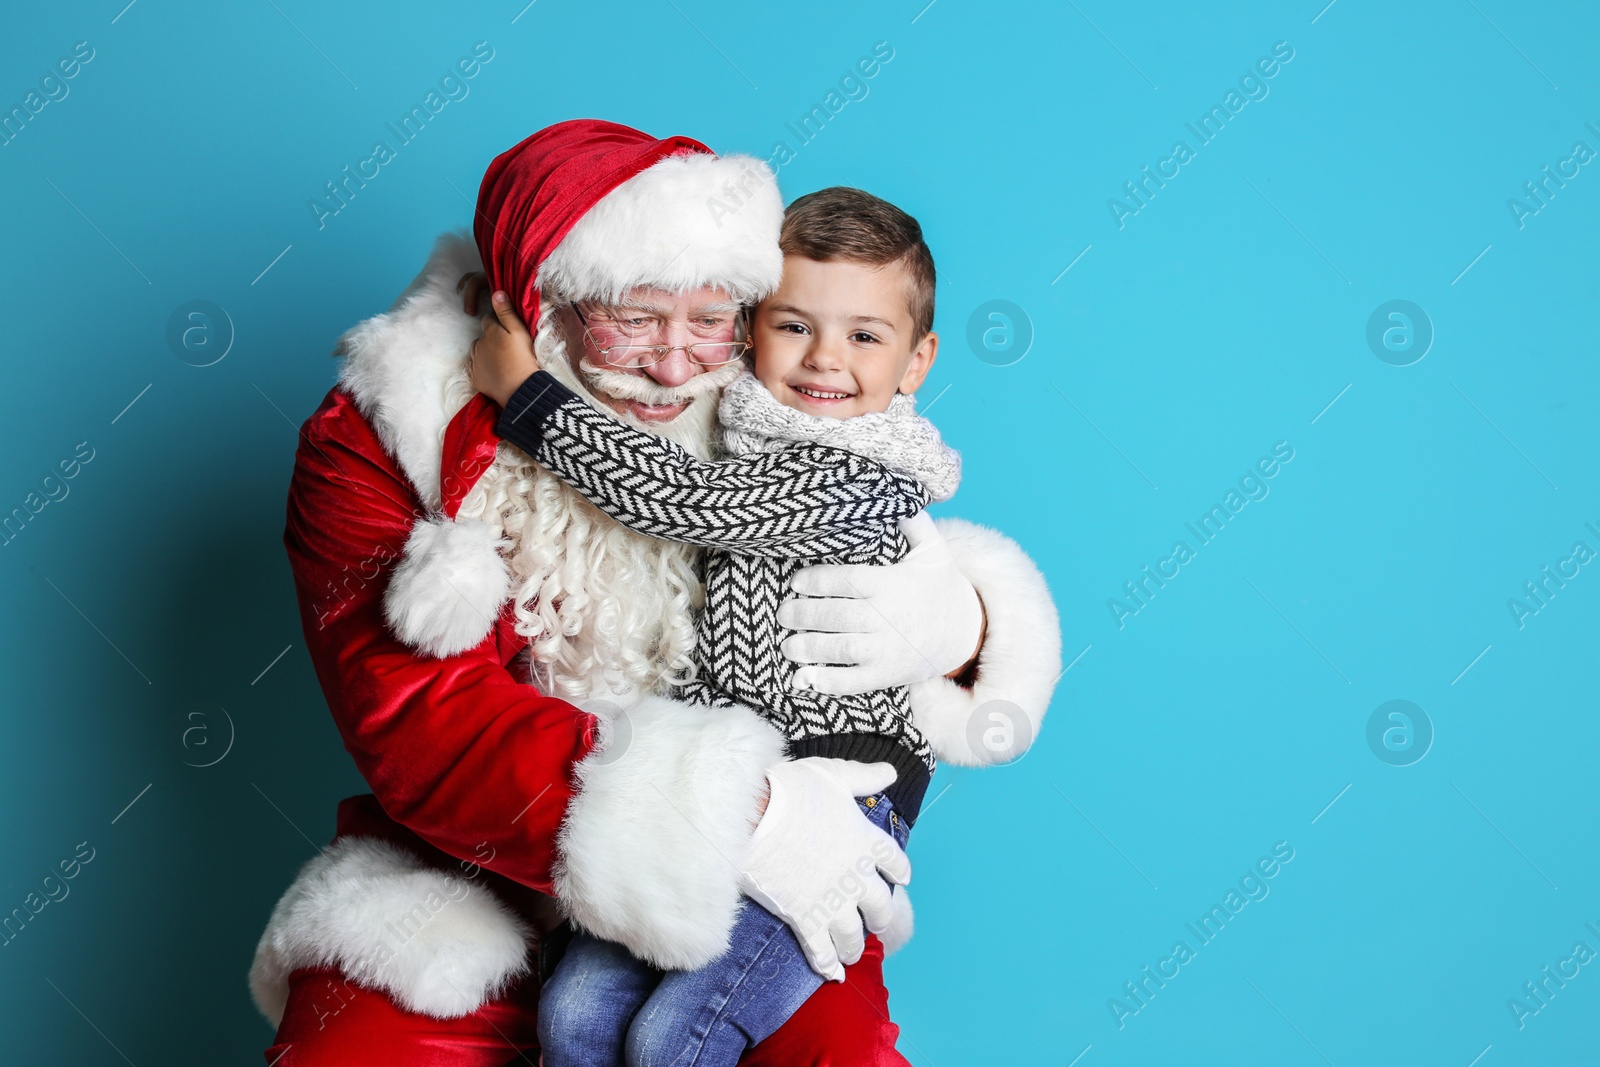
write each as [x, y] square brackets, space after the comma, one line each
[631, 355]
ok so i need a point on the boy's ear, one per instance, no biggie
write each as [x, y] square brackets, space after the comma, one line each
[922, 358]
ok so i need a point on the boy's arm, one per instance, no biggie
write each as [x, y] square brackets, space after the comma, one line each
[800, 502]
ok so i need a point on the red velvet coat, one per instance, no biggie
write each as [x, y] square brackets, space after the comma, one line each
[455, 749]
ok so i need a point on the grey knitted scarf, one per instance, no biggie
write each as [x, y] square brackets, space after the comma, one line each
[754, 421]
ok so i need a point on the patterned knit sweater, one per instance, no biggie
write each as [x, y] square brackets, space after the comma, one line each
[796, 491]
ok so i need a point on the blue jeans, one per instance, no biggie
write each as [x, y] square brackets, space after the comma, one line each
[603, 1008]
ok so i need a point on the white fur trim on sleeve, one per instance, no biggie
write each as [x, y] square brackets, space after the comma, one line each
[998, 718]
[690, 220]
[448, 588]
[655, 836]
[434, 940]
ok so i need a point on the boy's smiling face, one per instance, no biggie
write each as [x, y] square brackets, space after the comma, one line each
[836, 338]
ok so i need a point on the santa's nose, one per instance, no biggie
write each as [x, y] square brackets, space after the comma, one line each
[675, 369]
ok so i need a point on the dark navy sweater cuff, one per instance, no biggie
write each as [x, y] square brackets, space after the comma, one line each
[529, 408]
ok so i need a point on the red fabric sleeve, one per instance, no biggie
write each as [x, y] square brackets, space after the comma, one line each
[455, 749]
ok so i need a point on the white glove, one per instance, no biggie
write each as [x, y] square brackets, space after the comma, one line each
[865, 627]
[814, 859]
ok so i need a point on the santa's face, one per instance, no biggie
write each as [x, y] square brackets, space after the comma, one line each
[659, 394]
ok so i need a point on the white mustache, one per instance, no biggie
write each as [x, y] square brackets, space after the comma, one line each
[645, 390]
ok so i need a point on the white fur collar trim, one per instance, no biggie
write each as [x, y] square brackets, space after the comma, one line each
[398, 364]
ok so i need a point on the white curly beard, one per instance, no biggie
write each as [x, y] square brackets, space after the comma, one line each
[607, 611]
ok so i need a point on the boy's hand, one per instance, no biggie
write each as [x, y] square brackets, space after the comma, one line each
[472, 286]
[502, 359]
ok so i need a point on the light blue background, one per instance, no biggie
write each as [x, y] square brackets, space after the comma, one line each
[1223, 318]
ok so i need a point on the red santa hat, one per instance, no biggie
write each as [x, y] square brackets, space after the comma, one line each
[584, 209]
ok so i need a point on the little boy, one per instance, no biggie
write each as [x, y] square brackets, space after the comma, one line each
[827, 457]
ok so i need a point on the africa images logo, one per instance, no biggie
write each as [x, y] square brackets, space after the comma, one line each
[1252, 486]
[1252, 87]
[1252, 887]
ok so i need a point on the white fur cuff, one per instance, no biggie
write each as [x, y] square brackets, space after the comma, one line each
[434, 940]
[654, 839]
[998, 718]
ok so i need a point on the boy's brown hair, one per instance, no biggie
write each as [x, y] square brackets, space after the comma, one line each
[850, 224]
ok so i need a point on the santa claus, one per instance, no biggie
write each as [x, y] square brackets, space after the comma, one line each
[463, 607]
